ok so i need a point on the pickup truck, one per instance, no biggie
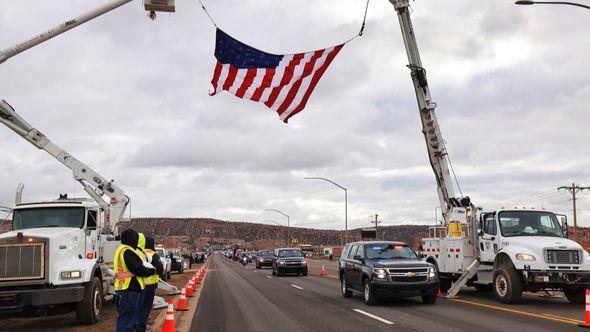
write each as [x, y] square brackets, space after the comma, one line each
[166, 262]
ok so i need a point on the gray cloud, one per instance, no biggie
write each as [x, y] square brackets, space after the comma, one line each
[129, 97]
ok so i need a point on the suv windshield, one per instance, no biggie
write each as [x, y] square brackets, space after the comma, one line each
[290, 253]
[48, 217]
[529, 223]
[264, 253]
[389, 251]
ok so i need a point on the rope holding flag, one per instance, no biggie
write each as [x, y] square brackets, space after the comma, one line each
[284, 83]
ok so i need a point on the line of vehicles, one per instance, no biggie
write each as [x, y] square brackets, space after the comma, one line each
[282, 261]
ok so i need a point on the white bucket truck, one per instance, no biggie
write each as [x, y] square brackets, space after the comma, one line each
[506, 251]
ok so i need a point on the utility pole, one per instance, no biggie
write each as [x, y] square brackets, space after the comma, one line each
[376, 221]
[573, 189]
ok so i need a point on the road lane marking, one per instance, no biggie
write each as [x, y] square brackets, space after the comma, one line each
[296, 286]
[382, 320]
[520, 312]
[566, 318]
[269, 277]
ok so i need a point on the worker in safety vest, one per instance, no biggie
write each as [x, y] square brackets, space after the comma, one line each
[129, 273]
[151, 283]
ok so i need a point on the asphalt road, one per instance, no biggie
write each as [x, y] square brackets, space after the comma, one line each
[238, 298]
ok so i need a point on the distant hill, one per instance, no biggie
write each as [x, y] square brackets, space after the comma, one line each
[195, 232]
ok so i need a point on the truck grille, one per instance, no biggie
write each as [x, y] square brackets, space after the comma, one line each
[563, 257]
[408, 279]
[22, 261]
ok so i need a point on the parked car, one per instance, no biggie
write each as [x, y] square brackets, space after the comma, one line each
[385, 268]
[166, 263]
[177, 262]
[264, 258]
[288, 260]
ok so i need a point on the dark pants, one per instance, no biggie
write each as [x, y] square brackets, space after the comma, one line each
[146, 306]
[127, 304]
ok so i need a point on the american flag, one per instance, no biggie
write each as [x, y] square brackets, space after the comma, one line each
[283, 83]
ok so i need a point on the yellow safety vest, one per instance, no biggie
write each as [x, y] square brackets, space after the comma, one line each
[122, 274]
[153, 279]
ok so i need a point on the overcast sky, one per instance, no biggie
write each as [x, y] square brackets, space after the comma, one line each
[129, 97]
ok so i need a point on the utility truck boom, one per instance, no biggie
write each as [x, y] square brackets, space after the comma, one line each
[507, 251]
[93, 183]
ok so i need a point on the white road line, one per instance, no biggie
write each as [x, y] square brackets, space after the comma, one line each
[373, 316]
[296, 286]
[269, 277]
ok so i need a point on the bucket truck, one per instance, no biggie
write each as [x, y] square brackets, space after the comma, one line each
[58, 256]
[507, 251]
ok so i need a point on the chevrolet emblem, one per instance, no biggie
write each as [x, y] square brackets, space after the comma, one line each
[410, 274]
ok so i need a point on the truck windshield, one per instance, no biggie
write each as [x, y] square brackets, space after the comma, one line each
[529, 223]
[290, 253]
[389, 251]
[48, 217]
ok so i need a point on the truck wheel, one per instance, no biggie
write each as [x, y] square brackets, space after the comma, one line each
[507, 285]
[575, 295]
[368, 293]
[345, 291]
[89, 310]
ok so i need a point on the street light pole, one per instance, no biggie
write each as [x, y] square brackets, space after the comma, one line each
[288, 222]
[528, 2]
[345, 203]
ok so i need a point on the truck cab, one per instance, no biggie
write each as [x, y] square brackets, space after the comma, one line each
[55, 259]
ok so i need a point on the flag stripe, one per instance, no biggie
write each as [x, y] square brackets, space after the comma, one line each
[231, 77]
[216, 74]
[316, 78]
[286, 78]
[247, 82]
[266, 82]
[292, 92]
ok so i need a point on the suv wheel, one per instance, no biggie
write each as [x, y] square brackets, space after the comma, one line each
[430, 298]
[507, 285]
[344, 287]
[369, 293]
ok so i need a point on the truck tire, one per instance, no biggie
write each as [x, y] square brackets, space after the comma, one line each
[507, 285]
[89, 310]
[368, 293]
[575, 295]
[345, 291]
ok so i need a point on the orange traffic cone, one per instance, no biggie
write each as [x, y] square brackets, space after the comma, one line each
[189, 289]
[323, 273]
[198, 280]
[182, 302]
[439, 293]
[587, 318]
[169, 322]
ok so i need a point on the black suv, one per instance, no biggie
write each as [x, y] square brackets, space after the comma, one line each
[386, 268]
[288, 260]
[264, 259]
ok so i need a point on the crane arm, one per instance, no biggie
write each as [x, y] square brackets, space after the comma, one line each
[435, 144]
[93, 183]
